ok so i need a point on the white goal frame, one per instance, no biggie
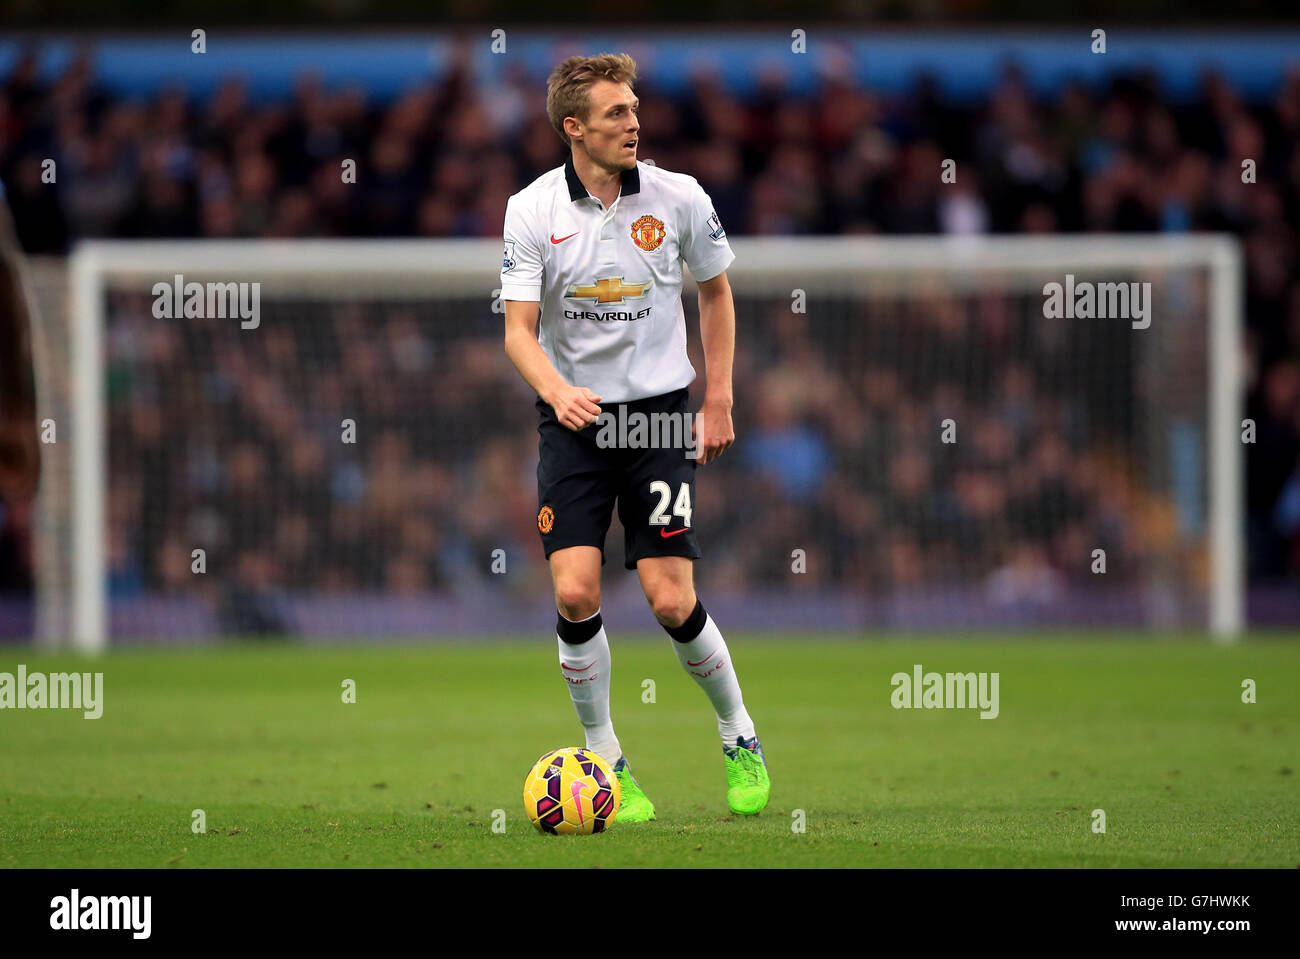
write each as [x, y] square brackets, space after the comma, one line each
[455, 266]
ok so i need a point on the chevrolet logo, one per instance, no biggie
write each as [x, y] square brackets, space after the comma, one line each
[610, 289]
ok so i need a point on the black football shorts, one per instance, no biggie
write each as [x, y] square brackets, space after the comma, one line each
[580, 476]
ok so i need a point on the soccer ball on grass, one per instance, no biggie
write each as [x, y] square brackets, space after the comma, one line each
[571, 791]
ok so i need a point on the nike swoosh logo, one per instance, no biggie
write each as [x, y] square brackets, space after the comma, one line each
[704, 660]
[576, 789]
[575, 669]
[665, 534]
[563, 238]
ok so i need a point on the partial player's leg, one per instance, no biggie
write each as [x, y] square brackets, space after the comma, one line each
[703, 653]
[656, 507]
[585, 664]
[576, 487]
[583, 646]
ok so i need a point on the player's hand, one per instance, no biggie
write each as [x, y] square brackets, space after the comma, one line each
[575, 406]
[712, 431]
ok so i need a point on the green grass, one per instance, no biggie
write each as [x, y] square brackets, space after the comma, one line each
[1153, 732]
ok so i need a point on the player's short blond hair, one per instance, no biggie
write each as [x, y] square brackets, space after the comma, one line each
[568, 90]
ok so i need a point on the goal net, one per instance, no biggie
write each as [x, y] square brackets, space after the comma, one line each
[326, 440]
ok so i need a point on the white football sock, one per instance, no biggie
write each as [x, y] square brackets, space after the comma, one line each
[707, 659]
[585, 667]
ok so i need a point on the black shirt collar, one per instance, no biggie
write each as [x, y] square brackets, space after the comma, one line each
[631, 181]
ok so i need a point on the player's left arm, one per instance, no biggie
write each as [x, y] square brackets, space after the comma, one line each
[707, 254]
[713, 429]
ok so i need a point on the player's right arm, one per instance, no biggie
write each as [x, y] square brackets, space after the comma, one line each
[575, 406]
[522, 278]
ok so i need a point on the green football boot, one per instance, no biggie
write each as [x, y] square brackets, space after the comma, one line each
[634, 806]
[748, 785]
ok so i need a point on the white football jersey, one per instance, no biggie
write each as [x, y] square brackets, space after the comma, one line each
[610, 281]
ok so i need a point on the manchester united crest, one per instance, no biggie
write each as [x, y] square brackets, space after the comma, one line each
[545, 519]
[648, 232]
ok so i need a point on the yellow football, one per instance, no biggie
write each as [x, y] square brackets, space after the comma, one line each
[571, 791]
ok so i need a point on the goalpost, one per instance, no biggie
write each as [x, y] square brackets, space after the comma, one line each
[937, 399]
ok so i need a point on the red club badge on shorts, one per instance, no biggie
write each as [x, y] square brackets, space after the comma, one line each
[545, 519]
[648, 232]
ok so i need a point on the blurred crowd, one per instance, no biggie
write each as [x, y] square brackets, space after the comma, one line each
[362, 445]
[442, 159]
[346, 446]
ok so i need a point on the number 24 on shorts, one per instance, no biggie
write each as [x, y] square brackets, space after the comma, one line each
[681, 506]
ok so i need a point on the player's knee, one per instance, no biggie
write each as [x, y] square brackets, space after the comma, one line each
[576, 599]
[672, 605]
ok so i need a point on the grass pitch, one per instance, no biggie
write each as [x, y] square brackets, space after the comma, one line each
[1153, 732]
